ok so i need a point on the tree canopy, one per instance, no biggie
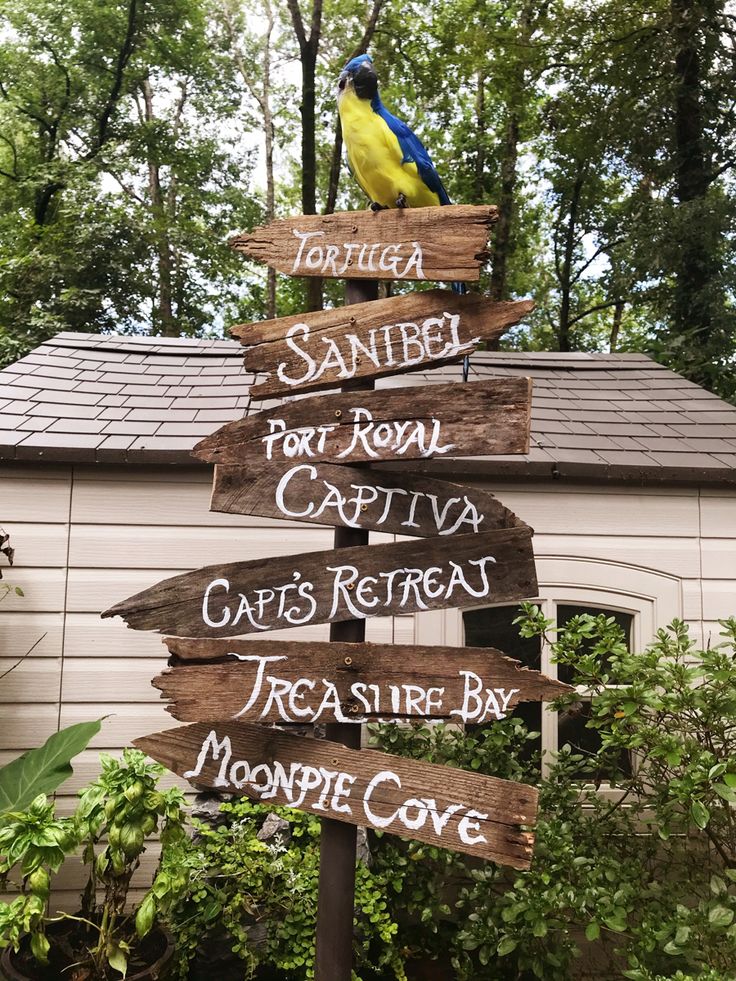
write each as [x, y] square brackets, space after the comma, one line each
[136, 137]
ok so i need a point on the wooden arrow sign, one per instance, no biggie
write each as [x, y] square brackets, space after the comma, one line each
[444, 806]
[370, 340]
[414, 243]
[307, 682]
[397, 503]
[455, 420]
[340, 584]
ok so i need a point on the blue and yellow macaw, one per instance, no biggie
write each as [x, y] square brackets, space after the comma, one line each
[386, 158]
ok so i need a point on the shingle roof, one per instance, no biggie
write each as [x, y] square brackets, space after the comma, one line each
[110, 399]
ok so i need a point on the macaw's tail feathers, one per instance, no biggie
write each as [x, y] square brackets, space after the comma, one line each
[460, 288]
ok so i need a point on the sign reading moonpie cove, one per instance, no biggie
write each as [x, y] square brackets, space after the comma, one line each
[306, 682]
[340, 584]
[399, 424]
[371, 340]
[409, 243]
[444, 806]
[397, 503]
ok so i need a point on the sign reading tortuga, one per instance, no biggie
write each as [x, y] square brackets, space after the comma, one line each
[340, 584]
[397, 503]
[444, 806]
[414, 243]
[306, 682]
[452, 420]
[371, 340]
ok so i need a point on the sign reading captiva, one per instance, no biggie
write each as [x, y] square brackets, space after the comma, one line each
[398, 503]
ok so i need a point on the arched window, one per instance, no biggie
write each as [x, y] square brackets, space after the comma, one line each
[641, 600]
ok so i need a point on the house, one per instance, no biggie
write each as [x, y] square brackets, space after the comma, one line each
[630, 485]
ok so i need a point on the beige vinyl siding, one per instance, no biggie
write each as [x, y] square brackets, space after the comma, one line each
[124, 529]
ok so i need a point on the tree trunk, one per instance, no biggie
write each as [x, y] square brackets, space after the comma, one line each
[618, 316]
[480, 130]
[164, 261]
[697, 262]
[565, 273]
[502, 231]
[269, 138]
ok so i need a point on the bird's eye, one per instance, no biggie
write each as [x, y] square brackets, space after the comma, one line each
[341, 83]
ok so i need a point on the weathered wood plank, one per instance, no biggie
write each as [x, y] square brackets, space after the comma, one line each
[479, 418]
[396, 503]
[444, 806]
[372, 340]
[339, 584]
[303, 682]
[447, 243]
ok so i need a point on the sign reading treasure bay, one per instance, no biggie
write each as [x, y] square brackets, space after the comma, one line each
[340, 584]
[399, 424]
[397, 503]
[479, 815]
[371, 340]
[411, 243]
[306, 682]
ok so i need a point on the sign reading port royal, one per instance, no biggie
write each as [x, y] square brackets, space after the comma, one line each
[396, 503]
[306, 682]
[370, 340]
[444, 806]
[410, 243]
[340, 584]
[452, 420]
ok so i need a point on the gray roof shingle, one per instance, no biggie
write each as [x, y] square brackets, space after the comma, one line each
[117, 399]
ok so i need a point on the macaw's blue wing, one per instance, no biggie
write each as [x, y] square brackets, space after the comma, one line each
[414, 152]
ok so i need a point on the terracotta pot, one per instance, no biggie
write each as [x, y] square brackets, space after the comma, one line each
[158, 969]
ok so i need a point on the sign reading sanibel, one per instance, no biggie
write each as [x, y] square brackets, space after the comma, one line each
[341, 584]
[395, 244]
[453, 420]
[478, 815]
[371, 340]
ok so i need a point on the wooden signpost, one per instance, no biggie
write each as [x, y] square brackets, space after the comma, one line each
[341, 584]
[472, 813]
[320, 493]
[302, 682]
[297, 461]
[413, 243]
[406, 333]
[400, 424]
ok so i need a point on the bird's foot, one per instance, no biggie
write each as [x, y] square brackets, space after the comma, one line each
[375, 206]
[401, 201]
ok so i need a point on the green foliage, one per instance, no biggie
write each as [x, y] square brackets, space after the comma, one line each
[225, 882]
[43, 770]
[115, 817]
[647, 871]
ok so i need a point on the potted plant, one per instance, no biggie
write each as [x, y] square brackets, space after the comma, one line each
[104, 939]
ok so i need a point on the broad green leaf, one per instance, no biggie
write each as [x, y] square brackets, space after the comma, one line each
[699, 813]
[43, 770]
[506, 946]
[116, 958]
[720, 916]
[592, 931]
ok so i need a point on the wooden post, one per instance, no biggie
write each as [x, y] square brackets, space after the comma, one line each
[336, 899]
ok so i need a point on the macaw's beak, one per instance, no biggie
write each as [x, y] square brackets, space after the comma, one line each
[342, 81]
[365, 81]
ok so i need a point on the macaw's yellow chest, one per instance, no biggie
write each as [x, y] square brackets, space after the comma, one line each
[375, 156]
